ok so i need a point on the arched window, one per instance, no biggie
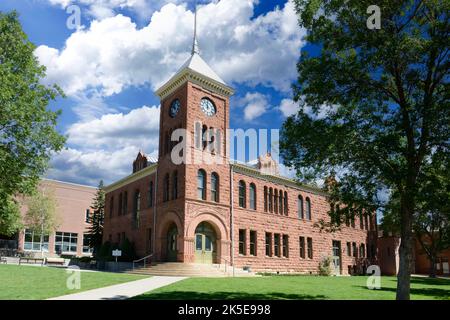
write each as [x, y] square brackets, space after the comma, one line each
[275, 201]
[166, 188]
[120, 211]
[175, 185]
[205, 135]
[215, 187]
[280, 202]
[308, 209]
[111, 206]
[252, 196]
[125, 203]
[270, 199]
[265, 198]
[286, 209]
[150, 194]
[300, 207]
[242, 194]
[201, 184]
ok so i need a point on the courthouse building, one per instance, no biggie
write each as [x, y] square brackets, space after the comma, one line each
[225, 212]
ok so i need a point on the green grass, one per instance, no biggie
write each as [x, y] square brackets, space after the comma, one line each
[297, 287]
[29, 282]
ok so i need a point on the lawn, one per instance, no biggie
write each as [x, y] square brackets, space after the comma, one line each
[297, 287]
[30, 282]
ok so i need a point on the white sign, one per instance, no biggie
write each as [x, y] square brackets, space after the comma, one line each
[117, 253]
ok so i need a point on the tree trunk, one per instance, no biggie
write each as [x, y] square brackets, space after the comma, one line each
[433, 266]
[406, 250]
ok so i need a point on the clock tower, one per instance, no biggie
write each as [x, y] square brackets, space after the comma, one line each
[193, 195]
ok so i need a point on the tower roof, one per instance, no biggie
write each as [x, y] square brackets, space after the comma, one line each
[197, 64]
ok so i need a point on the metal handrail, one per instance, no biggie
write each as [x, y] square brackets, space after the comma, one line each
[226, 264]
[144, 258]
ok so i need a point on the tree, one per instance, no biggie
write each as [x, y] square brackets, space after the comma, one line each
[431, 223]
[41, 217]
[373, 104]
[96, 223]
[27, 126]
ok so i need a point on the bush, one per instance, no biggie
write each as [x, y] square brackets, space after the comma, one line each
[325, 266]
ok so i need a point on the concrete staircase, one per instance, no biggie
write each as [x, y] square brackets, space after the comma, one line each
[190, 270]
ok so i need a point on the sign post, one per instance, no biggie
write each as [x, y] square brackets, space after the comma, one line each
[116, 253]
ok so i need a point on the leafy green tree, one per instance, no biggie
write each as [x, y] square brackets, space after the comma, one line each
[41, 216]
[96, 223]
[27, 126]
[373, 104]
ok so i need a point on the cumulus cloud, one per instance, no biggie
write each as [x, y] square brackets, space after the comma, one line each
[255, 104]
[104, 148]
[288, 107]
[114, 53]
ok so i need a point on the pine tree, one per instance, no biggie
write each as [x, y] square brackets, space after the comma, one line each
[96, 227]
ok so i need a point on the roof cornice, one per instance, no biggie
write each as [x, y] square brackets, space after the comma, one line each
[197, 78]
[132, 177]
[240, 168]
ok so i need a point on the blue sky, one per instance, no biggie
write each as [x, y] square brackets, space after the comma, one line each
[111, 65]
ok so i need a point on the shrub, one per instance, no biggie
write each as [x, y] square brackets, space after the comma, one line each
[325, 266]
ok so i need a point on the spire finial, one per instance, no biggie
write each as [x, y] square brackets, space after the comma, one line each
[195, 47]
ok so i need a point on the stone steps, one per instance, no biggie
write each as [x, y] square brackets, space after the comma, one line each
[190, 270]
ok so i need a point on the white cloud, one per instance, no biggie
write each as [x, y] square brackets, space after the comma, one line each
[114, 53]
[255, 104]
[288, 107]
[104, 148]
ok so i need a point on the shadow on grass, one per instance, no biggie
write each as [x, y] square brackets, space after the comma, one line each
[432, 293]
[191, 295]
[430, 281]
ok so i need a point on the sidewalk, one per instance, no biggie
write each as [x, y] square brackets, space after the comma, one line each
[122, 291]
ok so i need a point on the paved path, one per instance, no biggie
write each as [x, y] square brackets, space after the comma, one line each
[122, 291]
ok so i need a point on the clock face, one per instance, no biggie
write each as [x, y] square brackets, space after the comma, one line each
[208, 107]
[174, 108]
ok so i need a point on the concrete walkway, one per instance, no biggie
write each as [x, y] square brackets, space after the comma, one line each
[122, 291]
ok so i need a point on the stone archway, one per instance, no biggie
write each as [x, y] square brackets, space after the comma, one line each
[207, 239]
[169, 246]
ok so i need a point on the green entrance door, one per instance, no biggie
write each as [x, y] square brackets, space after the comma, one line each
[172, 249]
[204, 243]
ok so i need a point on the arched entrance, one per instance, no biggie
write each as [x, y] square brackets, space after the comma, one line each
[172, 247]
[205, 243]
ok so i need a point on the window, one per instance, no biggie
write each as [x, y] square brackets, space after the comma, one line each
[242, 195]
[280, 202]
[253, 243]
[201, 184]
[215, 187]
[361, 221]
[362, 250]
[349, 249]
[66, 242]
[120, 204]
[136, 205]
[87, 216]
[33, 241]
[125, 203]
[308, 209]
[310, 248]
[355, 251]
[352, 218]
[300, 207]
[275, 200]
[175, 186]
[242, 243]
[265, 199]
[285, 245]
[166, 188]
[204, 137]
[286, 209]
[277, 244]
[150, 195]
[268, 244]
[198, 135]
[366, 222]
[271, 200]
[111, 206]
[86, 243]
[302, 247]
[252, 196]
